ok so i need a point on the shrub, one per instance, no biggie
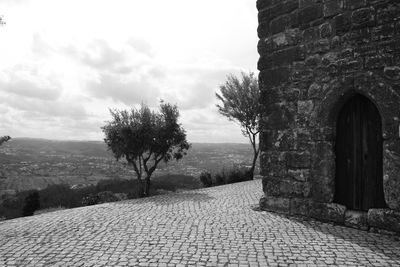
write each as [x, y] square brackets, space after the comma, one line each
[58, 195]
[205, 179]
[31, 204]
[91, 199]
[220, 178]
[227, 176]
[238, 174]
[103, 197]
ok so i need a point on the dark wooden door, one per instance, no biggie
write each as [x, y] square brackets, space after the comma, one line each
[359, 183]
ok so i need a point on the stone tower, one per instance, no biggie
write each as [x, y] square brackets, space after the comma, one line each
[330, 88]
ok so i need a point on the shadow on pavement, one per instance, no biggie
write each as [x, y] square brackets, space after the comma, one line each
[173, 198]
[379, 243]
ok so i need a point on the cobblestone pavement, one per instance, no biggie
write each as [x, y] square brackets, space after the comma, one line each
[212, 227]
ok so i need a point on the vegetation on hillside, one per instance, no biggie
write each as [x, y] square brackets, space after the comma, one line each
[26, 203]
[226, 176]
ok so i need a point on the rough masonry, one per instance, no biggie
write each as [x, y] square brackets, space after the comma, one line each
[315, 56]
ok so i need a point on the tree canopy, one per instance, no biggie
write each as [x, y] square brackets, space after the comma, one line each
[4, 139]
[144, 138]
[240, 103]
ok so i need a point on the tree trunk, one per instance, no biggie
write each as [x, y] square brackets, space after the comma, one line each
[147, 187]
[253, 165]
[140, 188]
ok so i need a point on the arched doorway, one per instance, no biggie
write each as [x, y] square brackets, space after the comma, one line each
[359, 183]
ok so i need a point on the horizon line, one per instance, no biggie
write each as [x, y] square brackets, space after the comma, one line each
[87, 140]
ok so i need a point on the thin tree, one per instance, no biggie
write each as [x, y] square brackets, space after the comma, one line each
[240, 103]
[144, 138]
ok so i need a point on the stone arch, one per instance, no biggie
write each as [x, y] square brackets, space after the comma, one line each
[376, 89]
[387, 100]
[359, 182]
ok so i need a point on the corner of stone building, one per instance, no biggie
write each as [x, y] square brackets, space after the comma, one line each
[314, 56]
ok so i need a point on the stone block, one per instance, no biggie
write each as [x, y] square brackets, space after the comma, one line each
[305, 107]
[323, 170]
[274, 77]
[286, 56]
[327, 212]
[276, 204]
[342, 23]
[315, 91]
[298, 160]
[310, 13]
[322, 134]
[273, 163]
[263, 29]
[332, 7]
[289, 93]
[301, 175]
[280, 116]
[299, 206]
[294, 19]
[354, 4]
[356, 219]
[310, 34]
[391, 179]
[313, 60]
[306, 3]
[279, 24]
[325, 30]
[285, 7]
[388, 14]
[265, 46]
[385, 219]
[375, 62]
[277, 140]
[322, 156]
[261, 4]
[271, 185]
[392, 73]
[322, 188]
[363, 17]
[290, 188]
[267, 139]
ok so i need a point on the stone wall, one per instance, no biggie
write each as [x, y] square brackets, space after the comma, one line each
[315, 55]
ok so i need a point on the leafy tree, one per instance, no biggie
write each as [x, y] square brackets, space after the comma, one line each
[240, 103]
[145, 138]
[4, 139]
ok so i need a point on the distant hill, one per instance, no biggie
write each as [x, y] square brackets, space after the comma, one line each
[27, 163]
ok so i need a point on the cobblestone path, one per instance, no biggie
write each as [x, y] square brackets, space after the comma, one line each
[214, 227]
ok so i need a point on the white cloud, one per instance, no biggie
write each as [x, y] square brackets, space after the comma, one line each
[64, 63]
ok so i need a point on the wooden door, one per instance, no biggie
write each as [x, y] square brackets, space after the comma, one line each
[359, 183]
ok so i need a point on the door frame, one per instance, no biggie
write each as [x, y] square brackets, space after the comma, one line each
[357, 196]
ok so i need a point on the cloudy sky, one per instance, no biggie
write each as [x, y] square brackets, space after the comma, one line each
[64, 63]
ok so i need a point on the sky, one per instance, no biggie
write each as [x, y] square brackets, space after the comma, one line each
[65, 63]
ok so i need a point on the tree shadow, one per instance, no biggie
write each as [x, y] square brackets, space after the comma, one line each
[172, 198]
[388, 245]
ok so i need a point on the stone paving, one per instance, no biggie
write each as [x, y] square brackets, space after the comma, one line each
[217, 226]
